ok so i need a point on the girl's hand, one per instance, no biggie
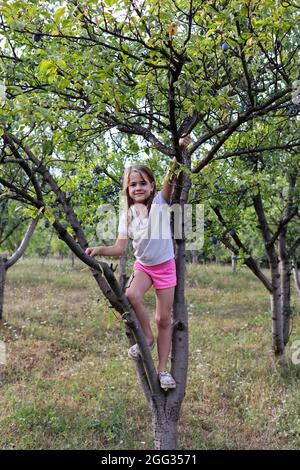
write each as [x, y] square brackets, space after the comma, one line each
[93, 251]
[173, 165]
[185, 141]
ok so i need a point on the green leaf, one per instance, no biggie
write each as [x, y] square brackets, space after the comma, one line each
[58, 14]
[61, 63]
[47, 147]
[40, 52]
[45, 65]
[49, 215]
[111, 2]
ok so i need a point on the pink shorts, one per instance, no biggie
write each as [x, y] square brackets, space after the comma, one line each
[163, 275]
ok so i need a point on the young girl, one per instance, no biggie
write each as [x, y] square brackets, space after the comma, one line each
[154, 253]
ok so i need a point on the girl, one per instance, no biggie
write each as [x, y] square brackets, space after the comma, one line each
[154, 252]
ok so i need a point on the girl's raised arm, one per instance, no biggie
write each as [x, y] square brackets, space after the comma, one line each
[171, 175]
[169, 181]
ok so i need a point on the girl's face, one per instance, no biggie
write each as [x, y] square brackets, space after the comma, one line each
[139, 187]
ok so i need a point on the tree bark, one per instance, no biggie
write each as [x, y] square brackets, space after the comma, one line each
[296, 277]
[164, 427]
[2, 283]
[285, 273]
[276, 294]
[276, 306]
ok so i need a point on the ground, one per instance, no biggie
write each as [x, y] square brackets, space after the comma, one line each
[68, 383]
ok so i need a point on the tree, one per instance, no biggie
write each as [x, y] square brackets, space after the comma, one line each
[264, 206]
[8, 262]
[12, 240]
[78, 71]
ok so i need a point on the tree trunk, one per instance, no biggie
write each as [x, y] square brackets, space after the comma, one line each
[164, 428]
[166, 407]
[296, 277]
[2, 283]
[276, 293]
[233, 261]
[285, 273]
[194, 256]
[276, 306]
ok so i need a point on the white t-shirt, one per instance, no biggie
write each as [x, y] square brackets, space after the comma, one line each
[151, 235]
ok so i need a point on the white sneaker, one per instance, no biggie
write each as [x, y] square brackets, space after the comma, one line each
[166, 380]
[134, 351]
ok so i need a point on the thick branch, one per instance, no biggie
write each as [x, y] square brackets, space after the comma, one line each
[25, 196]
[137, 129]
[233, 126]
[23, 245]
[25, 166]
[43, 170]
[249, 260]
[294, 247]
[263, 224]
[251, 151]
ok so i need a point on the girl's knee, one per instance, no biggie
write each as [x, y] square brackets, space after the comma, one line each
[163, 321]
[133, 297]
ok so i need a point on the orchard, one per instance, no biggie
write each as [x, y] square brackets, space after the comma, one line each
[89, 87]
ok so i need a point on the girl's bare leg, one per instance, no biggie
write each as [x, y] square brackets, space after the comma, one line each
[164, 302]
[138, 286]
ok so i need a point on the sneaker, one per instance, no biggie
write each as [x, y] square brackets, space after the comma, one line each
[134, 351]
[166, 380]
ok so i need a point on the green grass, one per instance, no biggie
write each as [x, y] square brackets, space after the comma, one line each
[68, 383]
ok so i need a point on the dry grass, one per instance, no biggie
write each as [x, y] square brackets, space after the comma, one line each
[68, 383]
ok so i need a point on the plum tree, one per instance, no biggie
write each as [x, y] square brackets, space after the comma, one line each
[108, 89]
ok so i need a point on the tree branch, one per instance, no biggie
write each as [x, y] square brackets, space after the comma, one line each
[23, 245]
[249, 260]
[233, 126]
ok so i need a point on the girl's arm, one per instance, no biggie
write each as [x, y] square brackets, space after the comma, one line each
[117, 249]
[171, 175]
[168, 184]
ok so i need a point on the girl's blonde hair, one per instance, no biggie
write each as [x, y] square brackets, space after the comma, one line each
[128, 202]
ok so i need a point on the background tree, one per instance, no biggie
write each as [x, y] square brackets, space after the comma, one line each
[13, 222]
[7, 262]
[265, 206]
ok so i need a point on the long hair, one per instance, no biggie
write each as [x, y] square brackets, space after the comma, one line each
[128, 201]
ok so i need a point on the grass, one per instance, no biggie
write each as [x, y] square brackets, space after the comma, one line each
[68, 383]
